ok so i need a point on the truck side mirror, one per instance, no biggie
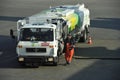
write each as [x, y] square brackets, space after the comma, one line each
[12, 34]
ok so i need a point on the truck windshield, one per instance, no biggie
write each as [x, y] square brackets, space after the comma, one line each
[36, 34]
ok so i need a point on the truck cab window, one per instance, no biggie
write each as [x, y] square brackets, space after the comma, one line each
[36, 34]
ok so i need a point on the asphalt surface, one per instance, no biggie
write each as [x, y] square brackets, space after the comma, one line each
[99, 61]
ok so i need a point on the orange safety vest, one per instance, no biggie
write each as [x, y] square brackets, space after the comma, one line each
[69, 53]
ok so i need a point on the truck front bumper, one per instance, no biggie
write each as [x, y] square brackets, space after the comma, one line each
[36, 59]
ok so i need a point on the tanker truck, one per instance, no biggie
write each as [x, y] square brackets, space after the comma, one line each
[40, 36]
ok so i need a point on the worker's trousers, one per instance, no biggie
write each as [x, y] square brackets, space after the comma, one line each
[69, 53]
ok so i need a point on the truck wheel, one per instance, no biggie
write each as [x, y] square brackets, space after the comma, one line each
[55, 63]
[56, 60]
[58, 51]
[84, 37]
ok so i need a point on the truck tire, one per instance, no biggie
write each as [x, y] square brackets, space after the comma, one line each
[59, 52]
[55, 64]
[56, 60]
[84, 37]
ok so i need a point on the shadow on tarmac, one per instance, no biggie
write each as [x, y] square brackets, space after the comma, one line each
[108, 23]
[8, 56]
[97, 53]
[10, 18]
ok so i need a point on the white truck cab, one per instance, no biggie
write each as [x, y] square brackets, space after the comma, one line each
[37, 43]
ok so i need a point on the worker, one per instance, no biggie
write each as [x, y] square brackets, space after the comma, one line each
[69, 45]
[12, 33]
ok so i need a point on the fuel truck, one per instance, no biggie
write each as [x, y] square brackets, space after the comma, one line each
[40, 36]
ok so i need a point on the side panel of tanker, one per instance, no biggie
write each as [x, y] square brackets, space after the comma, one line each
[78, 22]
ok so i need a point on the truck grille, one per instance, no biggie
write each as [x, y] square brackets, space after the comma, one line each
[35, 49]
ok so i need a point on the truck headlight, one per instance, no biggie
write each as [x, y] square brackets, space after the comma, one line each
[50, 59]
[20, 59]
